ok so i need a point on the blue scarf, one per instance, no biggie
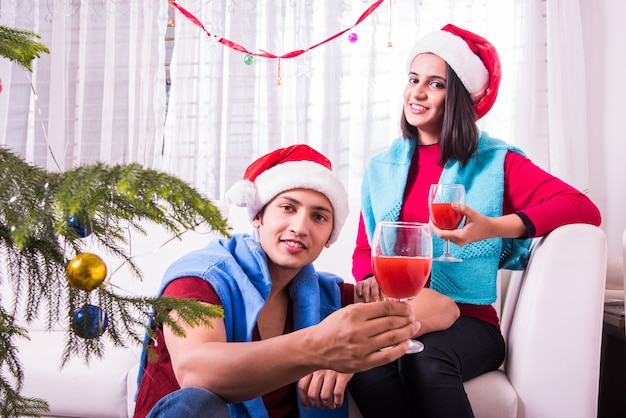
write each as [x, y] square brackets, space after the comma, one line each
[473, 280]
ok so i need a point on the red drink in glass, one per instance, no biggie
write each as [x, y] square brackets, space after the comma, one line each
[401, 277]
[402, 254]
[444, 216]
[440, 199]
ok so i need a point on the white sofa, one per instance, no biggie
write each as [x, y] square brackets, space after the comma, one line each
[551, 317]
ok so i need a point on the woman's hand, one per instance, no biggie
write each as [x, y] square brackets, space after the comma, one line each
[367, 290]
[323, 389]
[479, 227]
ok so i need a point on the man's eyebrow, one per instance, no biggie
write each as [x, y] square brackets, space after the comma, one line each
[299, 203]
[323, 209]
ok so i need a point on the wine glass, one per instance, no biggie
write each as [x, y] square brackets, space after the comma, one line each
[440, 199]
[402, 254]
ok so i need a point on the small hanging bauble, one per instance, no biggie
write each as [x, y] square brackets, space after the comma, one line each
[353, 37]
[90, 322]
[248, 59]
[86, 271]
[171, 23]
[80, 225]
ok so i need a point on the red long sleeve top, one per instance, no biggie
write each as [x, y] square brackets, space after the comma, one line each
[542, 201]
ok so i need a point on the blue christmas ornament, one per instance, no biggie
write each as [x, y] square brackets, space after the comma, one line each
[90, 322]
[82, 228]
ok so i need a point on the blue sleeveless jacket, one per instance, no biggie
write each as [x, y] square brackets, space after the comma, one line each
[237, 270]
[473, 280]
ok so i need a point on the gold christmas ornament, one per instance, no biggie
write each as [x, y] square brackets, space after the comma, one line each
[86, 271]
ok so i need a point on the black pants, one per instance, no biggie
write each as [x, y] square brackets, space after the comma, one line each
[430, 383]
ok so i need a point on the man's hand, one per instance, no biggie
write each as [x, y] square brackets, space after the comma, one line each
[351, 339]
[367, 290]
[323, 389]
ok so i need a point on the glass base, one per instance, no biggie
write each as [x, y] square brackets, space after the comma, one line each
[447, 257]
[415, 347]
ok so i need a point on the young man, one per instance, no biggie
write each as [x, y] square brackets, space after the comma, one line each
[282, 319]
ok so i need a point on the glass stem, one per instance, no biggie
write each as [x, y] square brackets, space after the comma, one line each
[446, 246]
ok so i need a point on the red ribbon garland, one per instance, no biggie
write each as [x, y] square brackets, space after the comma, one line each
[265, 54]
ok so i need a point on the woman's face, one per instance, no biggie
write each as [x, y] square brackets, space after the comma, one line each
[424, 96]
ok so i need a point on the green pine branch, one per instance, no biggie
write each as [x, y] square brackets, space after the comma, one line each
[37, 242]
[20, 46]
[11, 403]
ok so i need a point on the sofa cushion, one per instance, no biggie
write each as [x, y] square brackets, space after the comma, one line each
[492, 396]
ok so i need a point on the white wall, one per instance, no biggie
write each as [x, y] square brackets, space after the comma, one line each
[606, 85]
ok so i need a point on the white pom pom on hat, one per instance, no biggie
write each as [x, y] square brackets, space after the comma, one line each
[296, 167]
[473, 58]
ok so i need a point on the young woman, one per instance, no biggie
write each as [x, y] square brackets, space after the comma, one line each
[453, 78]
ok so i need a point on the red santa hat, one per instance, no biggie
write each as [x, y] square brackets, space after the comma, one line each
[473, 58]
[296, 167]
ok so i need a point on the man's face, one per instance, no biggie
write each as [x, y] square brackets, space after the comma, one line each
[294, 228]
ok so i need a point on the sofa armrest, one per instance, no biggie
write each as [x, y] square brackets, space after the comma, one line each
[555, 337]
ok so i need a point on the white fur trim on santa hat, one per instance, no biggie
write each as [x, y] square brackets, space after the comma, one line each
[287, 176]
[242, 194]
[455, 51]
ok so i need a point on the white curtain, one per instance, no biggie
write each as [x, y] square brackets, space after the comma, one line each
[100, 93]
[550, 111]
[343, 98]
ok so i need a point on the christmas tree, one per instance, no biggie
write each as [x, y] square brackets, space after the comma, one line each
[44, 220]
